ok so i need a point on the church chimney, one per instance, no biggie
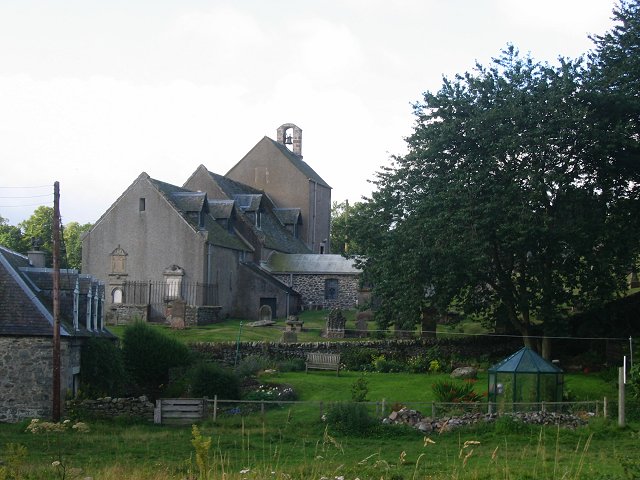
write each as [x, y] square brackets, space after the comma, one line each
[290, 134]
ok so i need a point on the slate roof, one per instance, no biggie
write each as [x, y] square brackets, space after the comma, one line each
[277, 237]
[274, 281]
[288, 216]
[26, 298]
[186, 203]
[311, 264]
[248, 203]
[221, 209]
[231, 187]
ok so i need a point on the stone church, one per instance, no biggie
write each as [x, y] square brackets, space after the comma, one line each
[217, 246]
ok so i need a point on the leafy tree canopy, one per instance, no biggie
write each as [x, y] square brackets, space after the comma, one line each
[517, 199]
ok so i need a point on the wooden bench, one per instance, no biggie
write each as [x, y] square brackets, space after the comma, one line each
[323, 361]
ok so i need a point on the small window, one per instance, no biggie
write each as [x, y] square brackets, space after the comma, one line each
[142, 205]
[331, 289]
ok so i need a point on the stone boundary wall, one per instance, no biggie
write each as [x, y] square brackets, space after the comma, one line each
[311, 289]
[225, 353]
[123, 314]
[201, 315]
[107, 407]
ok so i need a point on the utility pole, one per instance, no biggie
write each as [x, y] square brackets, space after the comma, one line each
[56, 302]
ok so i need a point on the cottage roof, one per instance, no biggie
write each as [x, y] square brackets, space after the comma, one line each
[26, 298]
[310, 263]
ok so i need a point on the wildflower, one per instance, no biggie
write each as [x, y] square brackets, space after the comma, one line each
[428, 441]
[245, 470]
[55, 463]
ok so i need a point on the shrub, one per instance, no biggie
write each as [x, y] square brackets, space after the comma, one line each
[102, 371]
[251, 365]
[383, 365]
[349, 418]
[447, 391]
[209, 380]
[418, 364]
[357, 359]
[291, 365]
[149, 355]
[434, 366]
[360, 389]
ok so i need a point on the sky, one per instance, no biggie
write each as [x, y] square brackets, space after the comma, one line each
[92, 93]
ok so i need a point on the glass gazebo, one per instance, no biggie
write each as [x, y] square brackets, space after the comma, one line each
[524, 381]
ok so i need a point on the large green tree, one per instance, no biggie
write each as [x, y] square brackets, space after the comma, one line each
[38, 230]
[72, 236]
[509, 203]
[11, 237]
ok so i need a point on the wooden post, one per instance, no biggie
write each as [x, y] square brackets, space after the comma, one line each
[56, 302]
[605, 410]
[621, 419]
[215, 407]
[433, 410]
[157, 413]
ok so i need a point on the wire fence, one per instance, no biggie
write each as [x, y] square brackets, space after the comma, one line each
[267, 410]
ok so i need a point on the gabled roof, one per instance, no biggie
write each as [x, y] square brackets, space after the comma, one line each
[189, 201]
[294, 159]
[310, 264]
[231, 187]
[288, 216]
[221, 209]
[248, 203]
[525, 360]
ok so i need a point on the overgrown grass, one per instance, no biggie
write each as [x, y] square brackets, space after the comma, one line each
[286, 444]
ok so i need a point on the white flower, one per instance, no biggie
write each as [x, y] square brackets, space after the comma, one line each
[55, 463]
[246, 470]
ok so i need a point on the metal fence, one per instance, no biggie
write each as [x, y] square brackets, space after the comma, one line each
[158, 294]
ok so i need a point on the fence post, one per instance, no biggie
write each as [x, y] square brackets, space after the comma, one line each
[157, 413]
[215, 407]
[605, 412]
[543, 406]
[597, 408]
[262, 410]
[384, 401]
[621, 419]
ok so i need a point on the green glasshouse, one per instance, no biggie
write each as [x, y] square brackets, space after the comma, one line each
[523, 381]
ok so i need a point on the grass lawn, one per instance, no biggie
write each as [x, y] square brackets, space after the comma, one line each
[292, 442]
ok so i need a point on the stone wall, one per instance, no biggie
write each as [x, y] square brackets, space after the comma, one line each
[107, 407]
[311, 289]
[26, 381]
[122, 314]
[201, 315]
[496, 348]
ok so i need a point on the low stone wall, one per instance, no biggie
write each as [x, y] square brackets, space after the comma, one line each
[225, 353]
[201, 315]
[123, 314]
[107, 407]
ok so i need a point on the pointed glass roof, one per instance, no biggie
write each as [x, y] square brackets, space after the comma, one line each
[524, 361]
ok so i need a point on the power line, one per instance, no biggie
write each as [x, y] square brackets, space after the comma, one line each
[32, 196]
[26, 205]
[33, 186]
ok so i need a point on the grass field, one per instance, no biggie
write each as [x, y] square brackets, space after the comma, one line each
[292, 442]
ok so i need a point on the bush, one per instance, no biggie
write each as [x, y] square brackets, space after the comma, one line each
[209, 380]
[418, 364]
[149, 355]
[251, 365]
[383, 365]
[360, 390]
[447, 391]
[102, 371]
[291, 365]
[357, 359]
[350, 418]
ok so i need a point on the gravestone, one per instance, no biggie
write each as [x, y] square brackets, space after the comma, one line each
[265, 314]
[293, 324]
[335, 324]
[289, 336]
[362, 326]
[177, 317]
